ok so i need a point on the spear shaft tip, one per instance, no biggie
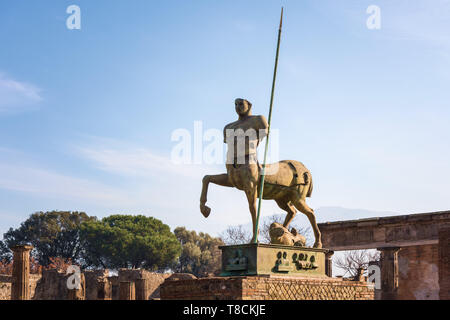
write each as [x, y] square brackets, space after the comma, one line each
[281, 19]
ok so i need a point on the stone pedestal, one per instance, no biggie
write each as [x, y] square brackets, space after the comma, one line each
[266, 259]
[127, 291]
[389, 272]
[269, 272]
[20, 289]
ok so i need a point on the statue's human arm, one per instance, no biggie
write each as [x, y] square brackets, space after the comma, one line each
[263, 127]
[225, 133]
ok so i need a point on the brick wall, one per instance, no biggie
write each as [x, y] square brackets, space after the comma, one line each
[265, 288]
[418, 273]
[444, 262]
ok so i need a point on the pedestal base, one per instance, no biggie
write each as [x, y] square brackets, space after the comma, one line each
[266, 259]
[265, 288]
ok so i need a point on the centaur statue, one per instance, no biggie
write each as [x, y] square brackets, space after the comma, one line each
[287, 182]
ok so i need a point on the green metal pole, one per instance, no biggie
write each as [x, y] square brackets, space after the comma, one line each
[263, 173]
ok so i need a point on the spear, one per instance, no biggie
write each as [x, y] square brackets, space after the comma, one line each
[263, 173]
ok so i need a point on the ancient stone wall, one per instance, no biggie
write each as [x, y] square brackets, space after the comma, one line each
[265, 288]
[395, 231]
[5, 285]
[444, 262]
[53, 286]
[114, 282]
[34, 280]
[149, 285]
[98, 286]
[418, 268]
[154, 283]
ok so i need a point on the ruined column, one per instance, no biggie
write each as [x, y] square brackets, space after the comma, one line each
[20, 289]
[389, 272]
[142, 291]
[329, 263]
[127, 290]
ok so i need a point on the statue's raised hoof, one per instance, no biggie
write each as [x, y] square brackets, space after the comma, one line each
[205, 210]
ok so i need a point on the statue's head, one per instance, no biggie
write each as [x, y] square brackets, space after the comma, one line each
[243, 107]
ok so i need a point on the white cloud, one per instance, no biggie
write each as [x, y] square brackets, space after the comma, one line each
[16, 96]
[131, 162]
[47, 183]
[29, 177]
[421, 21]
[135, 161]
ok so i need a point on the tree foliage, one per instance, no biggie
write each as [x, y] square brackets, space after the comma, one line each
[52, 234]
[200, 254]
[59, 264]
[5, 253]
[5, 267]
[125, 241]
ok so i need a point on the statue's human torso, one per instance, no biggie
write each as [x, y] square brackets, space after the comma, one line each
[243, 136]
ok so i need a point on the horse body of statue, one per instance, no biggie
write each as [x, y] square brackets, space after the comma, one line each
[287, 182]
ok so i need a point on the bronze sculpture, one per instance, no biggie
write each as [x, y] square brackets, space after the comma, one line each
[288, 182]
[281, 235]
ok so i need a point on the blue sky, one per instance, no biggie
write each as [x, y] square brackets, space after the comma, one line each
[86, 116]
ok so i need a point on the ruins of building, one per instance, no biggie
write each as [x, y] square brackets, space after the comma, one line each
[415, 264]
[415, 251]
